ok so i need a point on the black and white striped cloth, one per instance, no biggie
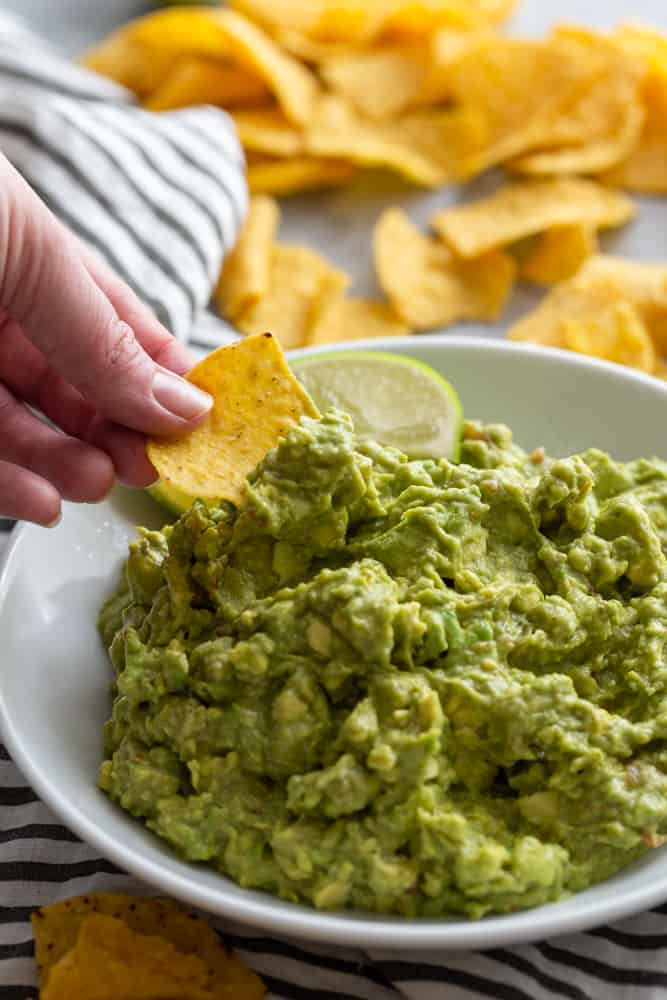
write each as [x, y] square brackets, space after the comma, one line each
[162, 197]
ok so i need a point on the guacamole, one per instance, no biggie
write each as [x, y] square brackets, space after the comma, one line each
[412, 687]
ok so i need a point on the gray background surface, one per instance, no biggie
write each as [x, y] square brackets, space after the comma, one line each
[340, 223]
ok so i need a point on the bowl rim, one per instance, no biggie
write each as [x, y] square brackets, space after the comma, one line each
[352, 929]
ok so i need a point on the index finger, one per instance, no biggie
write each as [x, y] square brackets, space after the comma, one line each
[151, 334]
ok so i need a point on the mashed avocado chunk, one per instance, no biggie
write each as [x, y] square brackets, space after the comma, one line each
[411, 687]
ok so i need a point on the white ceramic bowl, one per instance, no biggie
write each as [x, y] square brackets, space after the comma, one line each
[54, 680]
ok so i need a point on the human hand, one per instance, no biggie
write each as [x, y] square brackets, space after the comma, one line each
[77, 345]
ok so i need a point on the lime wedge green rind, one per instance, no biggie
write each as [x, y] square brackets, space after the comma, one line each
[172, 499]
[395, 400]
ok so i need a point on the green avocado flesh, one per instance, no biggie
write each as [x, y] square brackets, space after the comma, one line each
[410, 687]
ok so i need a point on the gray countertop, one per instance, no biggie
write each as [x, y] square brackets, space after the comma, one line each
[339, 223]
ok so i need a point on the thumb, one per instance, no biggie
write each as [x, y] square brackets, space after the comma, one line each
[46, 288]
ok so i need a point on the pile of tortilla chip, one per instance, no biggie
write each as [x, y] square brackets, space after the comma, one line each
[429, 89]
[612, 309]
[535, 229]
[293, 291]
[114, 947]
[321, 90]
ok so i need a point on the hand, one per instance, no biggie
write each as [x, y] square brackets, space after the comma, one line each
[77, 345]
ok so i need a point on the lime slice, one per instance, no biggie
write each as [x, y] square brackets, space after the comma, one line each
[394, 400]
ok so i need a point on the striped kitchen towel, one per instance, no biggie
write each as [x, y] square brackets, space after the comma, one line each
[160, 196]
[41, 862]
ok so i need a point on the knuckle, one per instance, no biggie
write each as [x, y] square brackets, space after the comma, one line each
[118, 356]
[123, 351]
[23, 265]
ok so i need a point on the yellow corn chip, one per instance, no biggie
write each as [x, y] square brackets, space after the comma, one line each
[602, 283]
[557, 254]
[496, 11]
[428, 286]
[309, 50]
[445, 47]
[591, 158]
[531, 96]
[294, 15]
[221, 34]
[358, 23]
[111, 962]
[268, 131]
[616, 334]
[354, 22]
[298, 280]
[294, 86]
[131, 64]
[245, 274]
[256, 401]
[355, 319]
[422, 17]
[643, 284]
[380, 83]
[180, 30]
[58, 928]
[423, 146]
[305, 173]
[605, 113]
[205, 81]
[525, 208]
[645, 170]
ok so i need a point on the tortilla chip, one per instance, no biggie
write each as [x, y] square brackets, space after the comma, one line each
[354, 22]
[592, 158]
[601, 284]
[645, 170]
[266, 130]
[245, 274]
[299, 278]
[111, 962]
[355, 319]
[643, 284]
[295, 88]
[256, 401]
[205, 81]
[131, 64]
[412, 18]
[291, 176]
[358, 23]
[380, 83]
[525, 208]
[605, 113]
[422, 146]
[616, 334]
[428, 286]
[58, 928]
[533, 96]
[497, 11]
[213, 34]
[309, 50]
[387, 81]
[557, 254]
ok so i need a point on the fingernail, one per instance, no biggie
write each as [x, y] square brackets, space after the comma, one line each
[181, 398]
[56, 521]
